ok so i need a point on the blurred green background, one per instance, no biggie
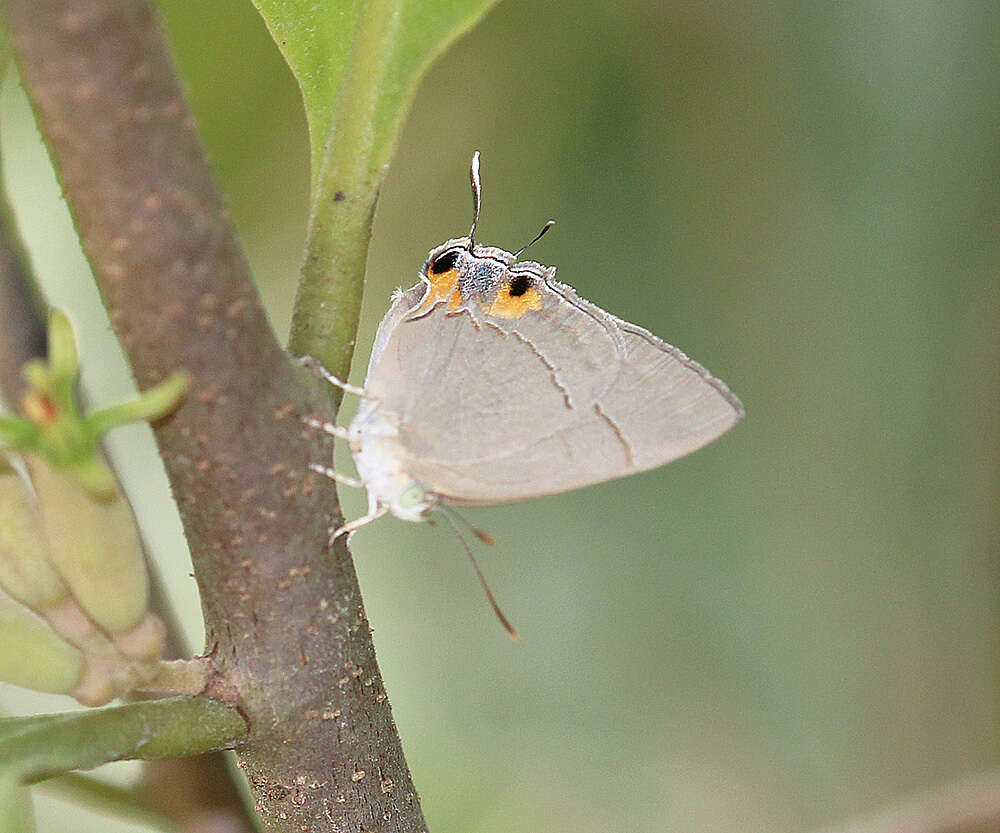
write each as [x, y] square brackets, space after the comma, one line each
[793, 626]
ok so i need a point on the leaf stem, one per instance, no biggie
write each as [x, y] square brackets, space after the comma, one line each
[43, 746]
[345, 189]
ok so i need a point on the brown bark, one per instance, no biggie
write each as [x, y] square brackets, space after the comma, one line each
[284, 619]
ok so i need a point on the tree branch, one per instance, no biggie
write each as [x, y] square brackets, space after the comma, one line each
[285, 622]
[206, 791]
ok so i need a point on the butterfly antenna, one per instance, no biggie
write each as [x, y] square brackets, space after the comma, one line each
[511, 630]
[477, 197]
[485, 537]
[538, 237]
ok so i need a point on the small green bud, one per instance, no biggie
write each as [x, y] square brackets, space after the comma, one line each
[70, 549]
[64, 361]
[53, 425]
[94, 546]
[32, 655]
[25, 571]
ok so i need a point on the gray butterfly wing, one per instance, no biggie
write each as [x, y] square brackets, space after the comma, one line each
[493, 410]
[399, 307]
[468, 381]
[664, 404]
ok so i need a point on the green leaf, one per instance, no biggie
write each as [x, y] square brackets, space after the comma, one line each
[357, 63]
[392, 41]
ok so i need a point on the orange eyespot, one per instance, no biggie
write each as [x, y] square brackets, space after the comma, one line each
[443, 286]
[515, 299]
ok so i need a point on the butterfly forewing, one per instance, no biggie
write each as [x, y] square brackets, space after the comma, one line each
[498, 409]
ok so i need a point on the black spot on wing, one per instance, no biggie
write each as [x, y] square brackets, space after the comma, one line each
[518, 286]
[445, 262]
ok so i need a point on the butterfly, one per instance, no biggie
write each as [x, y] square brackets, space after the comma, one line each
[491, 382]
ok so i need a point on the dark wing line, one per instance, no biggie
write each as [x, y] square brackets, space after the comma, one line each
[618, 327]
[619, 433]
[538, 354]
[604, 319]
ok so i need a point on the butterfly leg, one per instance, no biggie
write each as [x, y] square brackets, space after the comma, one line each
[351, 527]
[322, 372]
[336, 476]
[328, 427]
